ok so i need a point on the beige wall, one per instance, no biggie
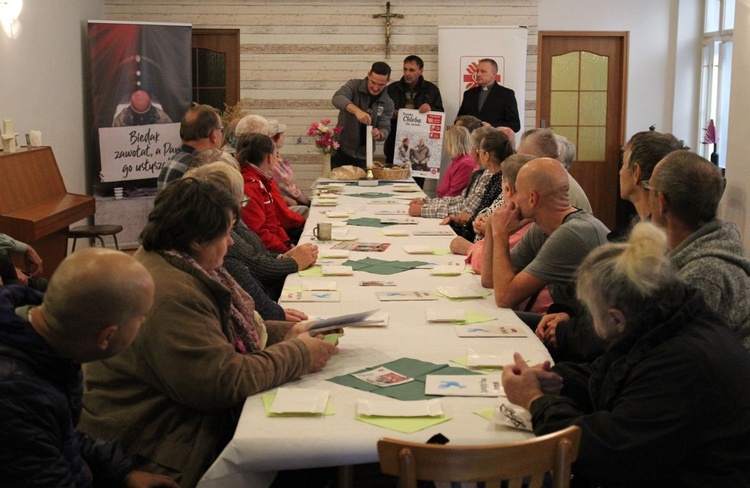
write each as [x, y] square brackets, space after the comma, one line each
[296, 54]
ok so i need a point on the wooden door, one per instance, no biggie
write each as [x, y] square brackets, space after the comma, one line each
[581, 80]
[216, 67]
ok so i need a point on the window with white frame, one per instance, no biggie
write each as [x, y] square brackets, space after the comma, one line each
[716, 74]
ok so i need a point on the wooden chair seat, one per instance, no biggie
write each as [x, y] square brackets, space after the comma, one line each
[94, 232]
[491, 464]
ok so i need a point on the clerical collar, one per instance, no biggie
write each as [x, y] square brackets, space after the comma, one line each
[485, 88]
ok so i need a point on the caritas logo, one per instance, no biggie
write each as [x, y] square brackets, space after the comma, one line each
[470, 75]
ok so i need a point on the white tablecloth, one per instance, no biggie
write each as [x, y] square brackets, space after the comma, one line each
[262, 445]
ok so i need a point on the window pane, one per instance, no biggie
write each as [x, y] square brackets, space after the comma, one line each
[565, 71]
[712, 16]
[563, 108]
[594, 71]
[212, 96]
[722, 122]
[210, 68]
[591, 143]
[728, 14]
[593, 110]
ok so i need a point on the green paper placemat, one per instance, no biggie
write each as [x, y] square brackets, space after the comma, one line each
[369, 195]
[332, 338]
[464, 361]
[382, 267]
[441, 251]
[312, 272]
[413, 368]
[268, 399]
[406, 425]
[366, 222]
[486, 413]
[475, 318]
[293, 288]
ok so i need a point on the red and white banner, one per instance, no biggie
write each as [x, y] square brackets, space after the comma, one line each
[461, 48]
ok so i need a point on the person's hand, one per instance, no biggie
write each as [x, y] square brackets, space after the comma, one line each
[480, 224]
[22, 277]
[293, 315]
[142, 479]
[364, 117]
[320, 351]
[425, 107]
[297, 329]
[546, 330]
[460, 245]
[305, 255]
[395, 113]
[550, 383]
[460, 219]
[33, 262]
[415, 208]
[520, 383]
[290, 202]
[506, 220]
[377, 134]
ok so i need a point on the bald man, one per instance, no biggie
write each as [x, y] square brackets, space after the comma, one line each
[542, 143]
[550, 252]
[94, 305]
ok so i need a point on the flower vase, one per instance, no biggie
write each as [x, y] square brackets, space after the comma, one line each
[715, 156]
[326, 165]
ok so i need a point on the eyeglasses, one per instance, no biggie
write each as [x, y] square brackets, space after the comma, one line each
[244, 201]
[646, 185]
[482, 150]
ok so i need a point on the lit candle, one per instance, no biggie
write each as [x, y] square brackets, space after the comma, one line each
[368, 136]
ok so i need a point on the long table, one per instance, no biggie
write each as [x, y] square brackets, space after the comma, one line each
[262, 446]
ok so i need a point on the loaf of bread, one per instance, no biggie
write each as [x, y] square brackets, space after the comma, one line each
[347, 172]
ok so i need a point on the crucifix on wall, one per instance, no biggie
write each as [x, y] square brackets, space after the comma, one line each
[388, 19]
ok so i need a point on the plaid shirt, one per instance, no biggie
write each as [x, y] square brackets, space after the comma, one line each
[466, 202]
[176, 166]
[284, 177]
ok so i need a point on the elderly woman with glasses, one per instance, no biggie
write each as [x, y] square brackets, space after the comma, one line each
[174, 397]
[668, 403]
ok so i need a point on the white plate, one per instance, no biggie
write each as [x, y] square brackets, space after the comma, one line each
[334, 270]
[397, 408]
[319, 286]
[333, 214]
[447, 270]
[334, 254]
[462, 291]
[414, 249]
[300, 400]
[452, 315]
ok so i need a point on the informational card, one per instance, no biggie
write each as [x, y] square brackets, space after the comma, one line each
[310, 296]
[478, 330]
[419, 142]
[389, 296]
[362, 246]
[383, 377]
[480, 385]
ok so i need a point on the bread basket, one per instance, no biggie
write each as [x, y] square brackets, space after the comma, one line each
[395, 173]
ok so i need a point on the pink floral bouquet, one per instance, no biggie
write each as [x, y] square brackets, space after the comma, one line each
[325, 135]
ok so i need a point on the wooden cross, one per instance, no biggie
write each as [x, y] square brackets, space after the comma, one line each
[388, 18]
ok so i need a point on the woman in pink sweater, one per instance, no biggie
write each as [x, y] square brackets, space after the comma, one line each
[462, 164]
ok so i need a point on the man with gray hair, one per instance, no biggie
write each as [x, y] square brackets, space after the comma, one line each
[93, 308]
[542, 143]
[684, 194]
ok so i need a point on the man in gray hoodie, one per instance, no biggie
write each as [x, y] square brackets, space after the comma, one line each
[684, 193]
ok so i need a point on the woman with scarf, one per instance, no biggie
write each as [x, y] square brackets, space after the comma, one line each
[175, 396]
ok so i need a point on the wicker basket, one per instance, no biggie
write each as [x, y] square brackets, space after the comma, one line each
[391, 173]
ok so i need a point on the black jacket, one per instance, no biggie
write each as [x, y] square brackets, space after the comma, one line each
[424, 92]
[499, 110]
[668, 404]
[40, 404]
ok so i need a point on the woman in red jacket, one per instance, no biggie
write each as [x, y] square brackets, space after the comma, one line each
[265, 213]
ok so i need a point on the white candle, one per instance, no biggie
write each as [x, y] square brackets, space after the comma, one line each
[368, 136]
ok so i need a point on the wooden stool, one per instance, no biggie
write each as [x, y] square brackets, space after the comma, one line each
[94, 231]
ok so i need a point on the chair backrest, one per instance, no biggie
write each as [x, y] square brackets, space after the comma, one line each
[489, 463]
